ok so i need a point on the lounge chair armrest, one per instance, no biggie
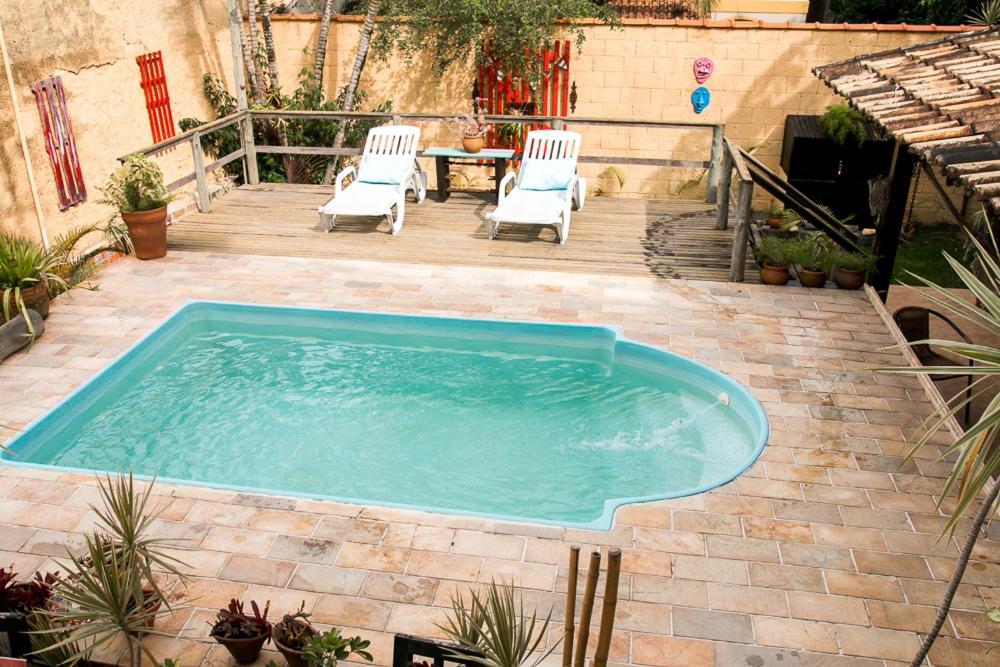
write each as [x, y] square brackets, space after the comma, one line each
[406, 180]
[502, 188]
[339, 182]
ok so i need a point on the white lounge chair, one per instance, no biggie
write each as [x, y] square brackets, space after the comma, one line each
[388, 169]
[546, 188]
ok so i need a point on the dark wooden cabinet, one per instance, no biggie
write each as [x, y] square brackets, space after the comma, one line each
[831, 174]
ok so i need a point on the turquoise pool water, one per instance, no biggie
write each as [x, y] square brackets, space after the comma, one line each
[542, 422]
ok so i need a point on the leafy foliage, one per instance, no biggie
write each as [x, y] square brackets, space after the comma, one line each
[975, 457]
[508, 31]
[234, 623]
[853, 261]
[24, 596]
[773, 250]
[275, 168]
[811, 253]
[495, 624]
[137, 185]
[841, 122]
[329, 648]
[939, 12]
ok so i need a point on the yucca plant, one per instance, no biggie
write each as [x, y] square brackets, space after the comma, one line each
[987, 14]
[495, 625]
[111, 588]
[975, 456]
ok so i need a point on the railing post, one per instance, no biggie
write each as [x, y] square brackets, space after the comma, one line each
[199, 173]
[722, 216]
[250, 159]
[744, 218]
[558, 124]
[715, 168]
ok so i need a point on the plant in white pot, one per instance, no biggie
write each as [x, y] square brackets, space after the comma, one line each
[137, 190]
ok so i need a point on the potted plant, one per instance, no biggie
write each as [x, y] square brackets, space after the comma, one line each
[243, 635]
[811, 257]
[851, 268]
[494, 624]
[291, 634]
[20, 604]
[329, 648]
[136, 189]
[472, 128]
[26, 276]
[775, 216]
[771, 253]
[111, 590]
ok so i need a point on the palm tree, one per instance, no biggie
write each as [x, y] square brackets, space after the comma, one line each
[976, 454]
[272, 58]
[324, 35]
[350, 92]
[252, 62]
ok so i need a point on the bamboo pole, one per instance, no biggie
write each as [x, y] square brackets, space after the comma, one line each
[574, 567]
[608, 608]
[16, 113]
[593, 571]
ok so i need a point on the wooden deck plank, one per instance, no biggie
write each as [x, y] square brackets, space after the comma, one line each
[662, 237]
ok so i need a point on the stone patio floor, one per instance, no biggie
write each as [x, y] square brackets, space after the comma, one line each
[826, 552]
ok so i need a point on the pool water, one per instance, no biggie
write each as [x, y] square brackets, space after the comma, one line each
[551, 423]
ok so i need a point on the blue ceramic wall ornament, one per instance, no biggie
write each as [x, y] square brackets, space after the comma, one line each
[700, 97]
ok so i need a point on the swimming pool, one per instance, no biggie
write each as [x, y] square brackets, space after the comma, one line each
[550, 423]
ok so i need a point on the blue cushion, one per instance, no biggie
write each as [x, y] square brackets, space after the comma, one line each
[546, 174]
[384, 169]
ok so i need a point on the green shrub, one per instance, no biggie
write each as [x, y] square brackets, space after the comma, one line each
[812, 253]
[137, 185]
[853, 261]
[772, 250]
[841, 122]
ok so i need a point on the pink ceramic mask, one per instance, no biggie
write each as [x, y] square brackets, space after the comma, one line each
[703, 69]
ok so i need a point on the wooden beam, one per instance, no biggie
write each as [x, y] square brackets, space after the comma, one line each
[204, 205]
[744, 218]
[722, 217]
[887, 238]
[715, 169]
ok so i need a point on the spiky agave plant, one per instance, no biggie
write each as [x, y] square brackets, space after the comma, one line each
[495, 625]
[975, 456]
[987, 14]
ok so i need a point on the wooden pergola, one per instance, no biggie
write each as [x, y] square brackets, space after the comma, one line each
[941, 101]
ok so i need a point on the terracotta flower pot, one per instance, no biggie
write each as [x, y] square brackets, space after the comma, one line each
[472, 144]
[148, 231]
[812, 278]
[35, 297]
[849, 278]
[243, 650]
[292, 656]
[775, 221]
[775, 274]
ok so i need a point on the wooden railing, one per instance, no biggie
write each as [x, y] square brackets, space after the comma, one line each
[750, 171]
[249, 149]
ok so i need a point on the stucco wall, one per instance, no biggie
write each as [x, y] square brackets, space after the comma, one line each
[92, 45]
[641, 71]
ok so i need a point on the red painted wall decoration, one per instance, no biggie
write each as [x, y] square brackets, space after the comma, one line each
[501, 92]
[154, 85]
[60, 145]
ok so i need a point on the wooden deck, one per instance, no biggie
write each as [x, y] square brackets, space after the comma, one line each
[667, 238]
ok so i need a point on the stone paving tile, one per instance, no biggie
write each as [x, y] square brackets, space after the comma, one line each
[825, 553]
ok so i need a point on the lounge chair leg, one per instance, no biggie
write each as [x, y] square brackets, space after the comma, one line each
[328, 220]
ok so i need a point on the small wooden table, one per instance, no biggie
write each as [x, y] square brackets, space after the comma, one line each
[444, 156]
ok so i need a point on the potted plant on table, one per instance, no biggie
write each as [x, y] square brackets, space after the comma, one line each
[472, 128]
[775, 216]
[851, 268]
[291, 634]
[771, 253]
[137, 190]
[243, 635]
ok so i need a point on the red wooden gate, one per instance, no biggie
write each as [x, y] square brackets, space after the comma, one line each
[502, 92]
[59, 141]
[154, 86]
